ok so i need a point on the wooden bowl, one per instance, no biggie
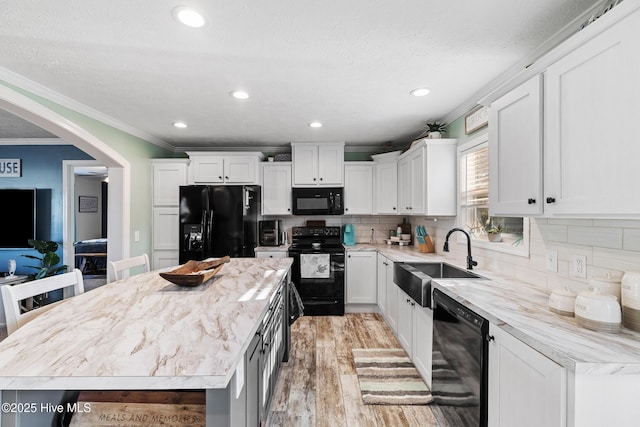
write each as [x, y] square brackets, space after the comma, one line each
[195, 273]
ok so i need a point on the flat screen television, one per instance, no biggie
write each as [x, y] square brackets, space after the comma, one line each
[19, 217]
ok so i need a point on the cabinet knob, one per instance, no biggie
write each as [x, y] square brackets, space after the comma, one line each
[288, 209]
[348, 256]
[551, 200]
[219, 177]
[413, 304]
[394, 208]
[489, 338]
[346, 209]
[226, 177]
[531, 201]
[320, 179]
[408, 300]
[314, 179]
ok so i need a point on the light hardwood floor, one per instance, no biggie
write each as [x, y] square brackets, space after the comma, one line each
[318, 386]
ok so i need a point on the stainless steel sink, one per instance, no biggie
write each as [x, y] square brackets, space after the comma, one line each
[415, 278]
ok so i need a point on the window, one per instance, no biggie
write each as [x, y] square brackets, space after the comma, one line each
[504, 234]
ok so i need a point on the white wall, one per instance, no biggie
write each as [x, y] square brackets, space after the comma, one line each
[88, 224]
[609, 245]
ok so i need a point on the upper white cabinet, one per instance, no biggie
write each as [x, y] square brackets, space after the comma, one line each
[385, 195]
[515, 151]
[276, 188]
[318, 164]
[224, 167]
[358, 188]
[361, 281]
[427, 178]
[168, 176]
[525, 387]
[592, 106]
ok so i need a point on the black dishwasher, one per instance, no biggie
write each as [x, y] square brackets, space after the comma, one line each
[460, 362]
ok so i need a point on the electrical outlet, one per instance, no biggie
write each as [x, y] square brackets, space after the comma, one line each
[552, 261]
[579, 266]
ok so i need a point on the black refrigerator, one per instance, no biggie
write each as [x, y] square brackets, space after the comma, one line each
[218, 220]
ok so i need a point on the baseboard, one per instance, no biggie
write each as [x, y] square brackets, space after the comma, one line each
[361, 308]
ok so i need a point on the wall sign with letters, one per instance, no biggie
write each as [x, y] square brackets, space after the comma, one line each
[10, 168]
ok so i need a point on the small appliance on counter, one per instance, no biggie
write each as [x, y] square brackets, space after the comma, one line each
[349, 235]
[271, 233]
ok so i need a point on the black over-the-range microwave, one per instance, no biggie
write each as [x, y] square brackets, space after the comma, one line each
[318, 201]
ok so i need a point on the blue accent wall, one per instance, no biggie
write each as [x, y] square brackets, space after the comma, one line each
[42, 170]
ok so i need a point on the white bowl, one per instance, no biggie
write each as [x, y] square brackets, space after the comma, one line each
[406, 236]
[395, 238]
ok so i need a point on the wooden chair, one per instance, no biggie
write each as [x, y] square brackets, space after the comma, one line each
[17, 316]
[116, 267]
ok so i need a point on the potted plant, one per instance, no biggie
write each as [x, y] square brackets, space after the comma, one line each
[494, 232]
[435, 130]
[48, 261]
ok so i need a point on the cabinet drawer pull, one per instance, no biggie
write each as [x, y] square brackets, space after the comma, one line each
[531, 201]
[551, 200]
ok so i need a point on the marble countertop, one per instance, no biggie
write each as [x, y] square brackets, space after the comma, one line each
[522, 310]
[145, 333]
[281, 248]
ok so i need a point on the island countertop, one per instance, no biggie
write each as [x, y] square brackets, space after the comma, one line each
[145, 333]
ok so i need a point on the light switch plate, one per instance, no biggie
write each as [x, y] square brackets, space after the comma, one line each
[552, 260]
[579, 266]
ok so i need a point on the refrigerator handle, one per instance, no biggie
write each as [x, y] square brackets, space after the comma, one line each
[209, 233]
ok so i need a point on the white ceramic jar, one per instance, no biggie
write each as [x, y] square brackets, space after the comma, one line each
[630, 300]
[562, 301]
[606, 285]
[598, 312]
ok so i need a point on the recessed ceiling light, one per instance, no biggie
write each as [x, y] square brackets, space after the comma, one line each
[421, 91]
[180, 125]
[315, 124]
[189, 17]
[239, 94]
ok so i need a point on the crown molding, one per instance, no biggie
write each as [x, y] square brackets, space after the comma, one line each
[33, 141]
[56, 97]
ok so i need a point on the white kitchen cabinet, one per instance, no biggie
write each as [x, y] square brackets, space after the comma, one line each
[168, 176]
[422, 341]
[276, 188]
[271, 254]
[224, 167]
[515, 151]
[386, 188]
[392, 303]
[427, 178]
[358, 188]
[165, 228]
[406, 306]
[591, 109]
[525, 387]
[318, 164]
[361, 277]
[384, 278]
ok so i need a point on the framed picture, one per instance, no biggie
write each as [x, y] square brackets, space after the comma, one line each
[87, 204]
[475, 120]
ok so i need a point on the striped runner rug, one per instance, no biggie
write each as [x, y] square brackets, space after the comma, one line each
[387, 377]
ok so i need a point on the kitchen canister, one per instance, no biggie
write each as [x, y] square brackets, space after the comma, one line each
[630, 300]
[598, 312]
[562, 302]
[608, 284]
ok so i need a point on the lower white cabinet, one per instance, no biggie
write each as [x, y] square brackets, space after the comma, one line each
[422, 341]
[271, 254]
[405, 321]
[385, 276]
[392, 303]
[361, 277]
[525, 387]
[165, 259]
[165, 237]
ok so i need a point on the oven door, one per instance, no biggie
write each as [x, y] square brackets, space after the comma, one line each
[324, 294]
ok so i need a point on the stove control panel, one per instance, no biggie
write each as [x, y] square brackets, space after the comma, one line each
[316, 231]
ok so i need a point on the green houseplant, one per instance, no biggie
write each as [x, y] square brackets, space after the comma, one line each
[494, 232]
[48, 259]
[435, 130]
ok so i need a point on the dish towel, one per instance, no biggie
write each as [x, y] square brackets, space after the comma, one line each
[315, 266]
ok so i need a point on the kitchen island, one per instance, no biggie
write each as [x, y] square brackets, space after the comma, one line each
[145, 333]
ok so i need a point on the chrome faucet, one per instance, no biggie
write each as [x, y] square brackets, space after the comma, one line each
[470, 261]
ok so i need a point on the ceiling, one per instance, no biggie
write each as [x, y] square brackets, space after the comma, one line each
[349, 64]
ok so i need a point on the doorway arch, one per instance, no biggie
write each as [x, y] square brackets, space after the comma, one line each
[118, 211]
